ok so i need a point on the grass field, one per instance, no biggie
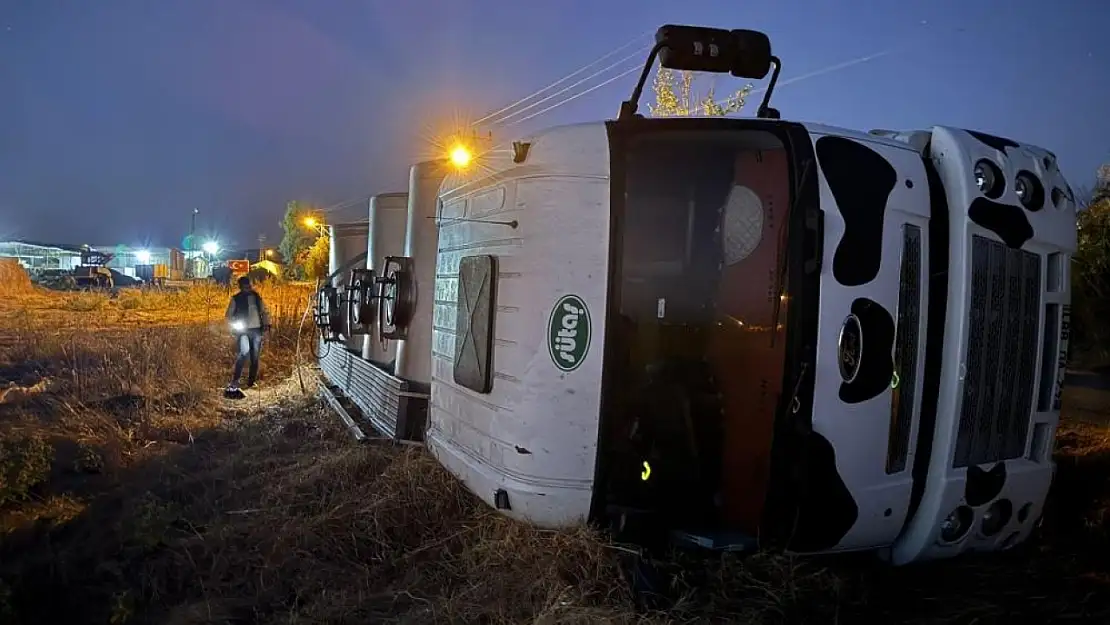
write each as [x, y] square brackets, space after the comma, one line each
[131, 492]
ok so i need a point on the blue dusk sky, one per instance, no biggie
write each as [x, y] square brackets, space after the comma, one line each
[118, 117]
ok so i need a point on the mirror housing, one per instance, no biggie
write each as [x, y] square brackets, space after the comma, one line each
[753, 54]
[695, 48]
[742, 53]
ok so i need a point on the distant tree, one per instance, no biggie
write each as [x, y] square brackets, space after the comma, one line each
[296, 238]
[1091, 274]
[313, 260]
[258, 275]
[675, 97]
[1102, 185]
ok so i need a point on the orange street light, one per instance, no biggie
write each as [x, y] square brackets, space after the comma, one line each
[460, 156]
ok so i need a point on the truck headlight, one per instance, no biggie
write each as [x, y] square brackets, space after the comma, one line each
[988, 177]
[1029, 191]
[997, 517]
[956, 525]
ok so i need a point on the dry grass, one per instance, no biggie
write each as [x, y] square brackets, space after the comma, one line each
[13, 279]
[43, 310]
[143, 497]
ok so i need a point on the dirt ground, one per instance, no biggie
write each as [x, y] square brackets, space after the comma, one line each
[133, 493]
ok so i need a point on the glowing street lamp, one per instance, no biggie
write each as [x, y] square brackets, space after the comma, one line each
[269, 253]
[315, 224]
[211, 247]
[460, 156]
[143, 256]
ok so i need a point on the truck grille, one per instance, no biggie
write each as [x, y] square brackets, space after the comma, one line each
[1002, 346]
[905, 351]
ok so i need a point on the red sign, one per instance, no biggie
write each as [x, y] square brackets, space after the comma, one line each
[239, 266]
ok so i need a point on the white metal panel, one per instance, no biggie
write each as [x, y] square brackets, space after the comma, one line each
[535, 434]
[859, 432]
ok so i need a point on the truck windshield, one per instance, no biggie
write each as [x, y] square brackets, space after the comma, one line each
[702, 309]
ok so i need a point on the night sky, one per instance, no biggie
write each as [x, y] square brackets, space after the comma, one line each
[118, 117]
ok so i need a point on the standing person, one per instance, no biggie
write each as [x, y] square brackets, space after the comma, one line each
[249, 319]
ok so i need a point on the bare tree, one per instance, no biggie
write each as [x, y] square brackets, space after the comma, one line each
[675, 97]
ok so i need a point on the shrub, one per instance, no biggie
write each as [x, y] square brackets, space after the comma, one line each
[1091, 278]
[24, 464]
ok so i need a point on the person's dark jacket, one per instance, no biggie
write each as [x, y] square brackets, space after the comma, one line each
[248, 307]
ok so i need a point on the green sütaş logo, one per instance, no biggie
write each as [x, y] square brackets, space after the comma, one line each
[568, 332]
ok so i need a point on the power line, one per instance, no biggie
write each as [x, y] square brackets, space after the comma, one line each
[355, 201]
[575, 96]
[338, 206]
[820, 72]
[494, 114]
[843, 64]
[508, 120]
[638, 53]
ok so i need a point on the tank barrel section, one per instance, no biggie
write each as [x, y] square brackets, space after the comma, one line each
[333, 252]
[388, 218]
[366, 302]
[368, 307]
[387, 304]
[346, 245]
[367, 280]
[402, 251]
[414, 354]
[742, 53]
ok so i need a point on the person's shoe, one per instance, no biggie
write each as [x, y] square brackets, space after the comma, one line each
[249, 385]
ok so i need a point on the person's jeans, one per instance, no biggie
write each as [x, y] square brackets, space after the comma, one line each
[249, 344]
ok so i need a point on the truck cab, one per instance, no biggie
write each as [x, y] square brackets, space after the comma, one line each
[758, 331]
[750, 333]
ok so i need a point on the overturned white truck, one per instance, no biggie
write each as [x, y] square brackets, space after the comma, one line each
[742, 331]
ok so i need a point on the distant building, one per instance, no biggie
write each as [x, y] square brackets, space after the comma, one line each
[38, 257]
[255, 254]
[274, 269]
[126, 258]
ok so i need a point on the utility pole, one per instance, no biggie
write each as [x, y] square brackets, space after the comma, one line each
[190, 258]
[193, 228]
